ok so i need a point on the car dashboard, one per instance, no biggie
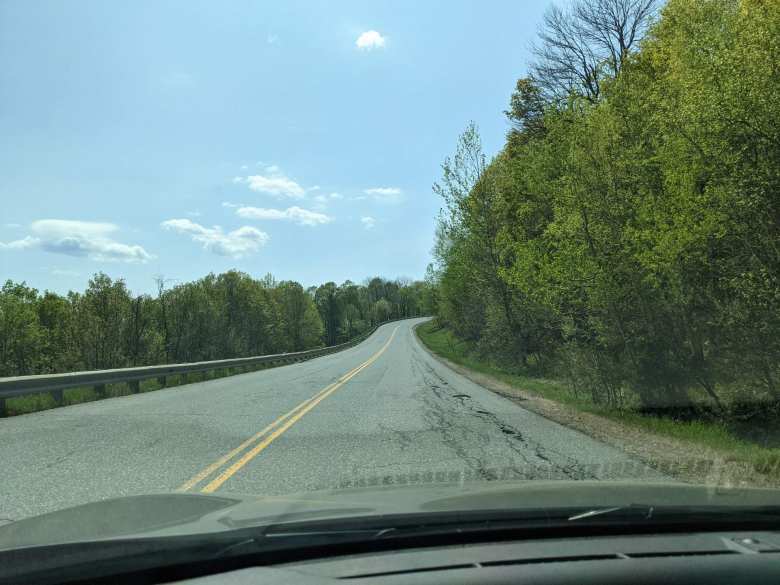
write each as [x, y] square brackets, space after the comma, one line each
[709, 557]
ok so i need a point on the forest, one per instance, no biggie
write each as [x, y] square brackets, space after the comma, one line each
[626, 238]
[216, 317]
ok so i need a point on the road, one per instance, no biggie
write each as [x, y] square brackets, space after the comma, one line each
[382, 411]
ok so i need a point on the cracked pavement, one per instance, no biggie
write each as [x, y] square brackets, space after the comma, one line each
[405, 418]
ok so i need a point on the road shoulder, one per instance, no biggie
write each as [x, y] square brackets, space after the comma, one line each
[682, 460]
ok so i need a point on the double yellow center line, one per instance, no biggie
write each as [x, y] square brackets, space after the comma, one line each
[269, 434]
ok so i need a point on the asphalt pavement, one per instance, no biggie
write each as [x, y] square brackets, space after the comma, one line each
[382, 412]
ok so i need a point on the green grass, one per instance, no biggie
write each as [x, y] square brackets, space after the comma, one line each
[709, 434]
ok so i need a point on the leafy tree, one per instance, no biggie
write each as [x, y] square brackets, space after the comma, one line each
[329, 306]
[627, 235]
[20, 335]
[301, 321]
[218, 316]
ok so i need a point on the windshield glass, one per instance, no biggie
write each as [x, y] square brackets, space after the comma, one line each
[342, 259]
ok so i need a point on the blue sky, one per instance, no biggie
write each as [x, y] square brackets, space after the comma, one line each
[297, 138]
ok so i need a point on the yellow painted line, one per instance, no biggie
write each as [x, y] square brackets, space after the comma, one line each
[204, 473]
[322, 395]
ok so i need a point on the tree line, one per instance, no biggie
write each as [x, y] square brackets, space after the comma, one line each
[216, 317]
[627, 234]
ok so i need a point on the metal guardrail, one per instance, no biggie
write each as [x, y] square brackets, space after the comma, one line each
[56, 383]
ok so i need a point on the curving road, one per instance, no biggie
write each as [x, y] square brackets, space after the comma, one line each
[384, 411]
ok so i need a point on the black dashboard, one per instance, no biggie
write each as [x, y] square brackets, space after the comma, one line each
[698, 558]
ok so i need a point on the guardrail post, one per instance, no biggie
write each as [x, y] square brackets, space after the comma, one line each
[57, 396]
[100, 390]
[3, 409]
[135, 386]
[161, 380]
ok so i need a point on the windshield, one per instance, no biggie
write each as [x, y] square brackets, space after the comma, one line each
[289, 254]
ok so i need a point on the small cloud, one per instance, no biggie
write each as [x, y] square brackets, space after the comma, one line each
[244, 167]
[321, 198]
[274, 183]
[336, 196]
[383, 191]
[294, 214]
[368, 222]
[231, 205]
[275, 186]
[370, 40]
[235, 244]
[23, 244]
[385, 194]
[194, 213]
[79, 238]
[272, 39]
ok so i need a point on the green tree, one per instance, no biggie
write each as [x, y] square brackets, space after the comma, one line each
[20, 331]
[301, 321]
[329, 306]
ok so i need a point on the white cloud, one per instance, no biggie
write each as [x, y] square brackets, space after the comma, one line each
[79, 238]
[231, 205]
[194, 213]
[244, 167]
[369, 40]
[23, 244]
[368, 222]
[321, 198]
[274, 182]
[272, 39]
[385, 194]
[277, 185]
[336, 196]
[236, 244]
[383, 191]
[294, 214]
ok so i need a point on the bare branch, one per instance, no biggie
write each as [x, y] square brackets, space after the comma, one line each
[589, 40]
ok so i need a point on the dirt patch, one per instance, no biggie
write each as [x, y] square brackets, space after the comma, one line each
[685, 461]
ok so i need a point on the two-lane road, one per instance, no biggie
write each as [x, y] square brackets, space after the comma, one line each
[382, 411]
